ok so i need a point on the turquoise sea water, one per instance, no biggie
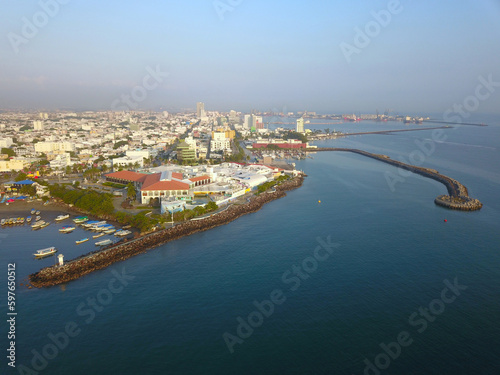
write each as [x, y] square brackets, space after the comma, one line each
[392, 256]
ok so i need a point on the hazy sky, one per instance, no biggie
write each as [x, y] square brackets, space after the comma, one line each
[266, 55]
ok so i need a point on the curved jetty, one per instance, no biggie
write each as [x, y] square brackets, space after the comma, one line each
[458, 198]
[97, 260]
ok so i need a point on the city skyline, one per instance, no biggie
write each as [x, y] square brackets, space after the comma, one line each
[285, 56]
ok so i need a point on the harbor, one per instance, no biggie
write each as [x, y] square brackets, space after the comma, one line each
[458, 195]
[96, 260]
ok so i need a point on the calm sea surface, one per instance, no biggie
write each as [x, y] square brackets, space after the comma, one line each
[178, 309]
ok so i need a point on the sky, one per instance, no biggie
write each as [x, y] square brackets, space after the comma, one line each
[328, 56]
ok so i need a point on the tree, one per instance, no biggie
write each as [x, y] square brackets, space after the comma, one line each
[131, 193]
[28, 190]
[211, 206]
[21, 176]
[10, 152]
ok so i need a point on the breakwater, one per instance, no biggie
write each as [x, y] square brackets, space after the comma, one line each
[97, 260]
[458, 196]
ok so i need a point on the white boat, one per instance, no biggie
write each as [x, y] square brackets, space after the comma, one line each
[45, 252]
[67, 229]
[33, 211]
[98, 235]
[80, 219]
[78, 242]
[103, 243]
[61, 217]
[110, 231]
[28, 219]
[3, 222]
[38, 224]
[123, 233]
[44, 225]
[37, 218]
[38, 212]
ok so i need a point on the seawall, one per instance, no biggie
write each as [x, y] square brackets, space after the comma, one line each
[97, 260]
[458, 196]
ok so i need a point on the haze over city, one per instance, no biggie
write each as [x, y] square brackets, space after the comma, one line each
[281, 55]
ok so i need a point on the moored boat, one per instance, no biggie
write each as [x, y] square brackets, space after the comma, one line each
[61, 217]
[122, 233]
[44, 225]
[28, 219]
[98, 235]
[80, 219]
[33, 211]
[38, 224]
[78, 242]
[110, 231]
[45, 252]
[67, 229]
[103, 243]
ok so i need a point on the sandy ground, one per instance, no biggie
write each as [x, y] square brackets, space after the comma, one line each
[23, 208]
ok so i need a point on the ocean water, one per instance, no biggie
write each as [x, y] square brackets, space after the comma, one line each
[171, 311]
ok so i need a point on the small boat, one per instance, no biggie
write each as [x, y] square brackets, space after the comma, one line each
[123, 233]
[38, 212]
[37, 218]
[44, 225]
[45, 252]
[98, 235]
[103, 243]
[3, 222]
[110, 231]
[81, 241]
[33, 211]
[104, 228]
[28, 219]
[22, 220]
[80, 219]
[61, 217]
[127, 227]
[67, 229]
[38, 224]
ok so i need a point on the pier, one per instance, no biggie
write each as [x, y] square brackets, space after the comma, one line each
[97, 260]
[458, 196]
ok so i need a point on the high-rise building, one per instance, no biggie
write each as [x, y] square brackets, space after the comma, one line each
[300, 125]
[37, 125]
[200, 109]
[246, 122]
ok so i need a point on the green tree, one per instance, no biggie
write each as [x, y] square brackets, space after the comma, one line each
[21, 176]
[131, 193]
[10, 152]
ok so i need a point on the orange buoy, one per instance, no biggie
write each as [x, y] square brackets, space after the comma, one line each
[445, 220]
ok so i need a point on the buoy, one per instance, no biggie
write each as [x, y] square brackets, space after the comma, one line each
[319, 201]
[445, 220]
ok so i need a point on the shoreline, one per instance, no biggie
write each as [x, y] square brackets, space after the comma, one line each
[93, 261]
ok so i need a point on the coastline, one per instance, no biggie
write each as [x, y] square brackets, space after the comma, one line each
[97, 260]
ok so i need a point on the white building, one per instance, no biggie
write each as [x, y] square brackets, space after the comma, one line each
[54, 146]
[127, 161]
[246, 122]
[219, 142]
[37, 125]
[5, 142]
[300, 125]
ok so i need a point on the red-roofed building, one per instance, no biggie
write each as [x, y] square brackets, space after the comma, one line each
[280, 145]
[201, 180]
[125, 177]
